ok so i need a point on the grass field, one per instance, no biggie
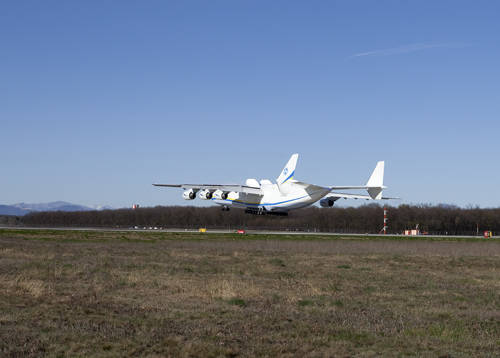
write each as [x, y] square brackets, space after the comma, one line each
[113, 294]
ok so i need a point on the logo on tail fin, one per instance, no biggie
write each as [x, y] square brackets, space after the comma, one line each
[289, 170]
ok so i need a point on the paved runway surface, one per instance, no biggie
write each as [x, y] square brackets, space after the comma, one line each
[253, 232]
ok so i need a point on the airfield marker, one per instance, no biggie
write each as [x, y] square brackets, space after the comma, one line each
[385, 221]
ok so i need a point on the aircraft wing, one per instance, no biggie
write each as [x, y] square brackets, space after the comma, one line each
[354, 196]
[224, 187]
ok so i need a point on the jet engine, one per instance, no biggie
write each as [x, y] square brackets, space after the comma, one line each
[327, 202]
[205, 194]
[189, 194]
[220, 195]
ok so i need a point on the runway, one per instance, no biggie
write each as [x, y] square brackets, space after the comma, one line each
[247, 232]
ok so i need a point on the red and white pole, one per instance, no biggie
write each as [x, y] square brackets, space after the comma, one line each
[385, 221]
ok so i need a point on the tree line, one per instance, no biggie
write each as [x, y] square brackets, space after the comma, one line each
[437, 220]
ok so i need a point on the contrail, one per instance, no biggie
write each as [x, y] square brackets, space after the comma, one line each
[407, 49]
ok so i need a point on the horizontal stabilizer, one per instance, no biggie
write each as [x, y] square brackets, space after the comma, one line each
[374, 186]
[356, 196]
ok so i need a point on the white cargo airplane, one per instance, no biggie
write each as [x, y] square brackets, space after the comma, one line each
[264, 197]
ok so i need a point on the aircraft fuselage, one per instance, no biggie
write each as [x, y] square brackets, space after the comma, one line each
[274, 200]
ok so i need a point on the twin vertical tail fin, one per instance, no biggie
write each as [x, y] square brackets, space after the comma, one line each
[375, 184]
[288, 171]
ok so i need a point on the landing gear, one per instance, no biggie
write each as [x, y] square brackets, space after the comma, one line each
[225, 208]
[255, 211]
[263, 211]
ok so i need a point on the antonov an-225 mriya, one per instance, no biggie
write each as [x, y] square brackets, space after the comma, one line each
[287, 194]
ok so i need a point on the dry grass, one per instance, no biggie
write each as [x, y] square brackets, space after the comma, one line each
[116, 294]
[24, 285]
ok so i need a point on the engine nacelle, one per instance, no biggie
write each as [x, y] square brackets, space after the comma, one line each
[205, 194]
[189, 194]
[220, 195]
[327, 202]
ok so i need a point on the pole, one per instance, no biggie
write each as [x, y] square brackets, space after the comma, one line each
[385, 221]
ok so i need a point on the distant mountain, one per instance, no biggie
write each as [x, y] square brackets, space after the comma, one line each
[12, 210]
[20, 209]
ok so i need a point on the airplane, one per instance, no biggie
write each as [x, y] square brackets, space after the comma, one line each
[267, 198]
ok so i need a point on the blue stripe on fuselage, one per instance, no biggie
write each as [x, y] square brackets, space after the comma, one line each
[265, 204]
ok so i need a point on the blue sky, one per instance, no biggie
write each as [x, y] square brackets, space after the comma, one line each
[99, 99]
